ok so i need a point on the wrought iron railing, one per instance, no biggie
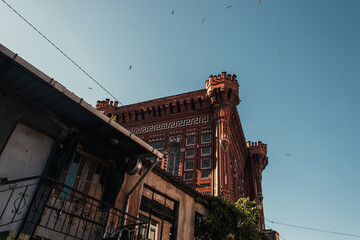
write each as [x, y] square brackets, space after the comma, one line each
[40, 206]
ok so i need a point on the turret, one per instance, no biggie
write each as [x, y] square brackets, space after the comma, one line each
[258, 154]
[223, 87]
[223, 92]
[258, 161]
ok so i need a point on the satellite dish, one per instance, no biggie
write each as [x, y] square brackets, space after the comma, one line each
[133, 165]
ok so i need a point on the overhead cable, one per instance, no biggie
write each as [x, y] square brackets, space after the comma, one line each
[313, 229]
[278, 233]
[62, 52]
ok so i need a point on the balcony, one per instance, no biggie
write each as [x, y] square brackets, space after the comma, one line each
[42, 208]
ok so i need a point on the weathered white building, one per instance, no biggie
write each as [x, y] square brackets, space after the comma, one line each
[69, 172]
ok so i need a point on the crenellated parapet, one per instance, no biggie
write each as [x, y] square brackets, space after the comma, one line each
[257, 147]
[107, 103]
[258, 159]
[258, 154]
[223, 87]
[154, 109]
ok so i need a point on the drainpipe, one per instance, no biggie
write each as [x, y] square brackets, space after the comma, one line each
[143, 144]
[128, 196]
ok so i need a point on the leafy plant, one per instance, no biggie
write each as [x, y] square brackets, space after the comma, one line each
[231, 221]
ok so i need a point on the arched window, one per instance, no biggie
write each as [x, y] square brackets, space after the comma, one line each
[174, 161]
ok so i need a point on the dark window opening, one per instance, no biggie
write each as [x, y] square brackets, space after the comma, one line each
[229, 94]
[142, 114]
[190, 140]
[136, 115]
[185, 104]
[164, 109]
[205, 174]
[171, 108]
[205, 163]
[123, 117]
[200, 102]
[154, 111]
[178, 106]
[159, 110]
[206, 138]
[192, 104]
[199, 219]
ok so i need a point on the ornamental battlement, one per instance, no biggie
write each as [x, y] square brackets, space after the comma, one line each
[153, 109]
[222, 80]
[257, 147]
[223, 87]
[107, 103]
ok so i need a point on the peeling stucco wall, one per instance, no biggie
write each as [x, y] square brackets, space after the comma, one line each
[187, 204]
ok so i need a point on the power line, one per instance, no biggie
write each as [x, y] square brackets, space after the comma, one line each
[62, 52]
[314, 229]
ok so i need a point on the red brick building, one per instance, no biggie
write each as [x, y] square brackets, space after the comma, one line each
[201, 135]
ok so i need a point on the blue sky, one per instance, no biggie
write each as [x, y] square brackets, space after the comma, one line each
[303, 101]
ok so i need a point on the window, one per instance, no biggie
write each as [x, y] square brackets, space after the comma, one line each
[188, 176]
[205, 163]
[190, 153]
[152, 228]
[174, 161]
[73, 175]
[157, 145]
[205, 151]
[159, 211]
[86, 174]
[199, 219]
[205, 174]
[189, 165]
[190, 140]
[206, 138]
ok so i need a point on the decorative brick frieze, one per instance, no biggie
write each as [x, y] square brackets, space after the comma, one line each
[170, 125]
[231, 166]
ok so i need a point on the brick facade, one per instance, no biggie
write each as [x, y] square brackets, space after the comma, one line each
[201, 135]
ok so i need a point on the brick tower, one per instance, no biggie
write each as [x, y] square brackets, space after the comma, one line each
[201, 136]
[258, 160]
[223, 92]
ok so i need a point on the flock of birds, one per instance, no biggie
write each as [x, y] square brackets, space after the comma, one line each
[172, 13]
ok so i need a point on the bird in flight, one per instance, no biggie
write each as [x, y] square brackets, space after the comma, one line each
[277, 53]
[288, 154]
[130, 67]
[259, 2]
[228, 7]
[90, 88]
[203, 21]
[172, 12]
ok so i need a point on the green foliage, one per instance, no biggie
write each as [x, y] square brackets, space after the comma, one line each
[231, 221]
